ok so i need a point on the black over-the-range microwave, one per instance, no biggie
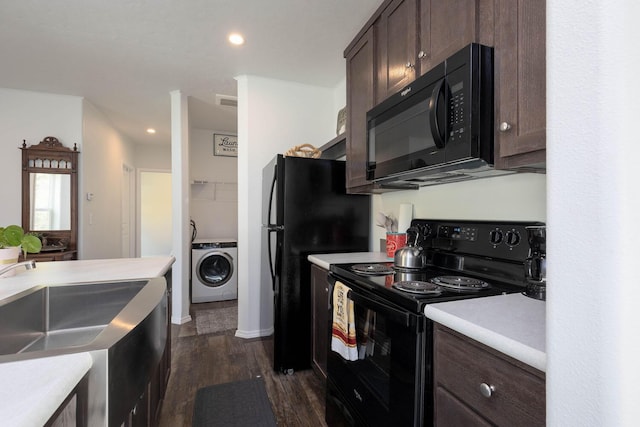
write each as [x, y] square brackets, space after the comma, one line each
[437, 129]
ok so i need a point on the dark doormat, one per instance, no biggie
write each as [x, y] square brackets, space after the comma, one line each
[239, 403]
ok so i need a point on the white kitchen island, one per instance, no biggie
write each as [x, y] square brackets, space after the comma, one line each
[32, 390]
[93, 270]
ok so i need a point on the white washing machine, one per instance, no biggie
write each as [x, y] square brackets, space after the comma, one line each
[214, 274]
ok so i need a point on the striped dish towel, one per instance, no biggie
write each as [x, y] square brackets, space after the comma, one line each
[343, 328]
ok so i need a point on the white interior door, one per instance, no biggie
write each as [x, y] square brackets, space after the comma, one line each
[155, 213]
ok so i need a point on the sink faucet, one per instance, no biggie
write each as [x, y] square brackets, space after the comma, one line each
[27, 264]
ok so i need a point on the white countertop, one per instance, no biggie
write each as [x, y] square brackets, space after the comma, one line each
[31, 390]
[325, 260]
[93, 270]
[512, 324]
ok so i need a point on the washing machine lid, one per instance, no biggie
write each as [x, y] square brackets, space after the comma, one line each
[207, 243]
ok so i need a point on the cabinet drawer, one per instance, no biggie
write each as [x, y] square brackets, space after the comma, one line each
[462, 365]
[452, 412]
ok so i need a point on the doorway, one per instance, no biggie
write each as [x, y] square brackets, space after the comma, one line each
[155, 213]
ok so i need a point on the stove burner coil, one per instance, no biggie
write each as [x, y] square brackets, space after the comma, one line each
[372, 269]
[418, 287]
[460, 283]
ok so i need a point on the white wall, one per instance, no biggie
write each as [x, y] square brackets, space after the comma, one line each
[153, 156]
[31, 116]
[593, 346]
[339, 98]
[181, 236]
[105, 151]
[214, 205]
[519, 197]
[73, 120]
[273, 116]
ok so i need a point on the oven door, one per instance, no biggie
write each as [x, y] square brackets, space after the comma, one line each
[385, 386]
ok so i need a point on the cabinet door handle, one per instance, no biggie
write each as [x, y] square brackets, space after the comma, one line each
[408, 65]
[504, 126]
[487, 390]
[422, 54]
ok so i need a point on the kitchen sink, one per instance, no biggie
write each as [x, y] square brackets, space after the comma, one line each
[62, 317]
[122, 325]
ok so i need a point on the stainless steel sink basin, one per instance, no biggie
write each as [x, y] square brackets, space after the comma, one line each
[122, 325]
[62, 317]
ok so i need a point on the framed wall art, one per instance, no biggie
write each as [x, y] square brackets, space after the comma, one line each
[225, 145]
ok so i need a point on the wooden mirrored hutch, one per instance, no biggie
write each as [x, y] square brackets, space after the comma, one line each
[50, 198]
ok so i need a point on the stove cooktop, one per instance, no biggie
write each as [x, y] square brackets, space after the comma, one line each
[488, 255]
[384, 285]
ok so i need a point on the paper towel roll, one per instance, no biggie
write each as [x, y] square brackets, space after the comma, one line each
[404, 217]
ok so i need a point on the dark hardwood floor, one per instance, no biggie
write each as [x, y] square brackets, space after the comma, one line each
[200, 360]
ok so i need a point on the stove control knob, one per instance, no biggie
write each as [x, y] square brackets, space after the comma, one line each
[495, 236]
[512, 238]
[487, 390]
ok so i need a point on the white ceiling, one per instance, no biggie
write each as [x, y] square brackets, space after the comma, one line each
[125, 56]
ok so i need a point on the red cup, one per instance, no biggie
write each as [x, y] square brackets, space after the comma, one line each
[395, 241]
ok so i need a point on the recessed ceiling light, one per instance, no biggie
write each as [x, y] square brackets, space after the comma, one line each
[236, 39]
[151, 131]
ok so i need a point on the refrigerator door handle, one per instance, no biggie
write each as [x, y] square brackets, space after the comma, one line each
[271, 228]
[267, 222]
[277, 258]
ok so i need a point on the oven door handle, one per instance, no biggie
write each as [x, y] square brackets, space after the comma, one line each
[394, 314]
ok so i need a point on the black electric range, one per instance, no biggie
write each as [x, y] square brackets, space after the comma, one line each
[489, 252]
[390, 380]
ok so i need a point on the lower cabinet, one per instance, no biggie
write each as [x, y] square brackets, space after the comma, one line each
[320, 320]
[73, 411]
[475, 385]
[146, 410]
[140, 415]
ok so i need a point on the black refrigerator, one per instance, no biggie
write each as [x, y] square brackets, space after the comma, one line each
[305, 210]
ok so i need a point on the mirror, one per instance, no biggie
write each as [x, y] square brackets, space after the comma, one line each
[50, 196]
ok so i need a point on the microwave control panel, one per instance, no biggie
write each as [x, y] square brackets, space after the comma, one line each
[457, 112]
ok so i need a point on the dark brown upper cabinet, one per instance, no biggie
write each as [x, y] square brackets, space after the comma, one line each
[396, 53]
[406, 38]
[520, 98]
[447, 26]
[360, 99]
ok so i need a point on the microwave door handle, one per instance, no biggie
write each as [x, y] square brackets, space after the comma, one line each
[438, 130]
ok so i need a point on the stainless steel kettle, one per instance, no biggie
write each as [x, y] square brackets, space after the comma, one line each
[412, 256]
[535, 266]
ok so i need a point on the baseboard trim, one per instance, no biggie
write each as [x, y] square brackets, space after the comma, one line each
[181, 321]
[255, 333]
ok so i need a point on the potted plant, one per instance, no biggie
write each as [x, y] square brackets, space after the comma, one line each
[13, 239]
